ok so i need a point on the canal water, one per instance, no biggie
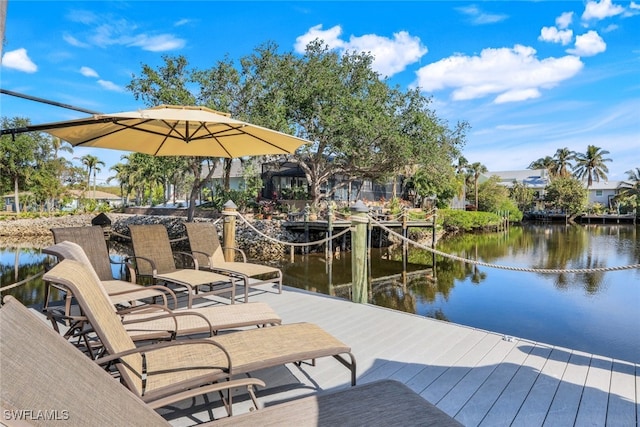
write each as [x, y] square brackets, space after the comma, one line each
[595, 312]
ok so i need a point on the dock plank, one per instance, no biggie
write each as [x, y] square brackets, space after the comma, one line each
[595, 396]
[536, 406]
[566, 401]
[508, 404]
[621, 410]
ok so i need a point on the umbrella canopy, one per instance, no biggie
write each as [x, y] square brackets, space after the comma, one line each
[169, 130]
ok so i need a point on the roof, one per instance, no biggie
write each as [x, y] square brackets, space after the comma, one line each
[530, 177]
[605, 185]
[89, 194]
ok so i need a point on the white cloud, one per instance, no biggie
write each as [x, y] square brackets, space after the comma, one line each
[110, 86]
[330, 37]
[511, 74]
[159, 43]
[107, 31]
[182, 22]
[634, 5]
[391, 56]
[19, 60]
[74, 41]
[601, 10]
[563, 21]
[82, 16]
[478, 17]
[588, 44]
[609, 28]
[88, 72]
[551, 34]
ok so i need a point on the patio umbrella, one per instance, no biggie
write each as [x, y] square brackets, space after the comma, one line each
[169, 130]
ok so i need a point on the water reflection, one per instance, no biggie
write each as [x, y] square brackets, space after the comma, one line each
[594, 312]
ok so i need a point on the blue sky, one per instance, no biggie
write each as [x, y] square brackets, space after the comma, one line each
[529, 77]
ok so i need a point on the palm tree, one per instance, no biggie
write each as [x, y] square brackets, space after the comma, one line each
[630, 189]
[93, 164]
[60, 145]
[546, 163]
[562, 162]
[591, 165]
[476, 169]
[123, 176]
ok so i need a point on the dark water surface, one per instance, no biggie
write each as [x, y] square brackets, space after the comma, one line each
[596, 312]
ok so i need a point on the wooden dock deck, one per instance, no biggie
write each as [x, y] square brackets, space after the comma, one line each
[481, 378]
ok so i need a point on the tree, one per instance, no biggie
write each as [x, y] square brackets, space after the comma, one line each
[476, 169]
[562, 162]
[522, 195]
[359, 125]
[168, 85]
[567, 194]
[629, 192]
[18, 155]
[547, 163]
[92, 164]
[591, 165]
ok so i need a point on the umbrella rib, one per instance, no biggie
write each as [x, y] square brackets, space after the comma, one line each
[239, 129]
[116, 121]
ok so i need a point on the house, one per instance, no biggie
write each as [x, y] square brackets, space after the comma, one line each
[535, 179]
[99, 196]
[236, 177]
[603, 192]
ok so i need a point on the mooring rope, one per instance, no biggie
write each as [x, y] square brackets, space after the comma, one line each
[504, 267]
[22, 282]
[317, 242]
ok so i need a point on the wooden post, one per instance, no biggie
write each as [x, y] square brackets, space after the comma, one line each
[229, 211]
[359, 280]
[307, 210]
[329, 245]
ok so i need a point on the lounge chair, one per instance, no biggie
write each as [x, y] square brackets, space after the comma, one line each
[44, 379]
[169, 366]
[205, 245]
[154, 258]
[92, 241]
[36, 377]
[157, 322]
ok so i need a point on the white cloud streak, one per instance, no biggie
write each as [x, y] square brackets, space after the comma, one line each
[107, 31]
[88, 72]
[110, 86]
[512, 74]
[478, 17]
[19, 60]
[391, 55]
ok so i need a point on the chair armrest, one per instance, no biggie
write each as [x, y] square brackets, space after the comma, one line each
[158, 346]
[135, 267]
[244, 257]
[165, 290]
[206, 255]
[173, 315]
[189, 255]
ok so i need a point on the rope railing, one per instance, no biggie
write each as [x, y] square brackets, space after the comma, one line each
[294, 244]
[22, 282]
[503, 267]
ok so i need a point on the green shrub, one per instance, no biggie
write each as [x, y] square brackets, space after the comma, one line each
[454, 220]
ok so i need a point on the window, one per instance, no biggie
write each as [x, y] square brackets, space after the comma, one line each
[598, 193]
